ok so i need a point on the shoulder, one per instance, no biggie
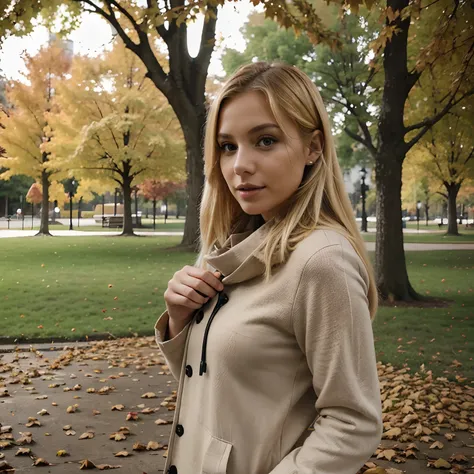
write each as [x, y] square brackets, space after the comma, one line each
[326, 252]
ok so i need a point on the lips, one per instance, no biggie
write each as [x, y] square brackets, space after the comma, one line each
[249, 187]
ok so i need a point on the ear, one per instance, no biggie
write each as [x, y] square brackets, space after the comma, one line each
[316, 146]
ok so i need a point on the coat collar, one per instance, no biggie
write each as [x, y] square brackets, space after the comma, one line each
[239, 259]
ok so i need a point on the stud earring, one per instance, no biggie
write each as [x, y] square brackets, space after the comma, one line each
[310, 163]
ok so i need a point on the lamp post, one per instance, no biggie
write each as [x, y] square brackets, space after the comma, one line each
[22, 214]
[103, 209]
[418, 207]
[363, 174]
[72, 188]
[115, 201]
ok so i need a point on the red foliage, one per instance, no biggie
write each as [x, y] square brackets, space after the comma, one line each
[154, 189]
[34, 194]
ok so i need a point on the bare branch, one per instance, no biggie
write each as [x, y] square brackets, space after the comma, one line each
[426, 124]
[200, 64]
[359, 139]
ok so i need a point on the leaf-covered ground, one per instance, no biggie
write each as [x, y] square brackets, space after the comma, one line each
[110, 404]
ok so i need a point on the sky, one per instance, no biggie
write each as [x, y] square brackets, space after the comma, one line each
[94, 34]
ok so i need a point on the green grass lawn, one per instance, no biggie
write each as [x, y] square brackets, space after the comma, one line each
[438, 238]
[66, 283]
[436, 337]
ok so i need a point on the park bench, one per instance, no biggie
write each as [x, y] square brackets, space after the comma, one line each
[113, 221]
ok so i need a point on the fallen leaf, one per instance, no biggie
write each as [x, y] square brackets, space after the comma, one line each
[32, 422]
[122, 454]
[118, 407]
[87, 435]
[62, 453]
[139, 447]
[149, 395]
[23, 452]
[86, 464]
[153, 445]
[132, 415]
[441, 463]
[41, 462]
[118, 436]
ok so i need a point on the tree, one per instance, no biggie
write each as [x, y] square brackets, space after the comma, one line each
[154, 190]
[449, 158]
[181, 78]
[35, 196]
[369, 80]
[122, 130]
[27, 129]
[440, 29]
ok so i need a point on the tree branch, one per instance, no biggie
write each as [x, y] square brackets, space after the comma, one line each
[113, 21]
[426, 124]
[359, 139]
[200, 64]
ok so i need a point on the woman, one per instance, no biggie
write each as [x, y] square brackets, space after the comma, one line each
[271, 330]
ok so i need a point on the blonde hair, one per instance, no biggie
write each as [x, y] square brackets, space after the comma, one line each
[320, 201]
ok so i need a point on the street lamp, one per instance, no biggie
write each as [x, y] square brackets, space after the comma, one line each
[22, 213]
[363, 174]
[418, 207]
[71, 195]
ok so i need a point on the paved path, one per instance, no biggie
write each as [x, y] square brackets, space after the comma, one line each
[407, 246]
[53, 380]
[76, 233]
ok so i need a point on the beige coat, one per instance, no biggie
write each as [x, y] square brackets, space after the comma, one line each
[278, 357]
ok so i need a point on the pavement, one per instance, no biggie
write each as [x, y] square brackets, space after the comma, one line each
[38, 379]
[53, 380]
[75, 233]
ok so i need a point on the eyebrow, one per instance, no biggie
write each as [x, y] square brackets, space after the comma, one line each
[258, 128]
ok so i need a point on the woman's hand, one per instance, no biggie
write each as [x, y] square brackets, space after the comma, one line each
[188, 290]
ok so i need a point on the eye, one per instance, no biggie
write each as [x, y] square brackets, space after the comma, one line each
[266, 142]
[227, 147]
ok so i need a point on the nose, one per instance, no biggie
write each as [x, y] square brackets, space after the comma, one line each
[244, 162]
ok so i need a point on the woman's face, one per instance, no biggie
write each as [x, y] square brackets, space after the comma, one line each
[261, 165]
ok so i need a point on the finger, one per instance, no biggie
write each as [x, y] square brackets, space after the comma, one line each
[179, 300]
[199, 286]
[207, 277]
[190, 293]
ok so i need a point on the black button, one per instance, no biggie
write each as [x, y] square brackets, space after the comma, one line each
[179, 430]
[199, 316]
[172, 470]
[225, 298]
[189, 371]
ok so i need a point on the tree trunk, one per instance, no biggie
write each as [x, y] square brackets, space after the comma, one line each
[453, 190]
[427, 208]
[127, 207]
[44, 224]
[390, 265]
[193, 130]
[154, 214]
